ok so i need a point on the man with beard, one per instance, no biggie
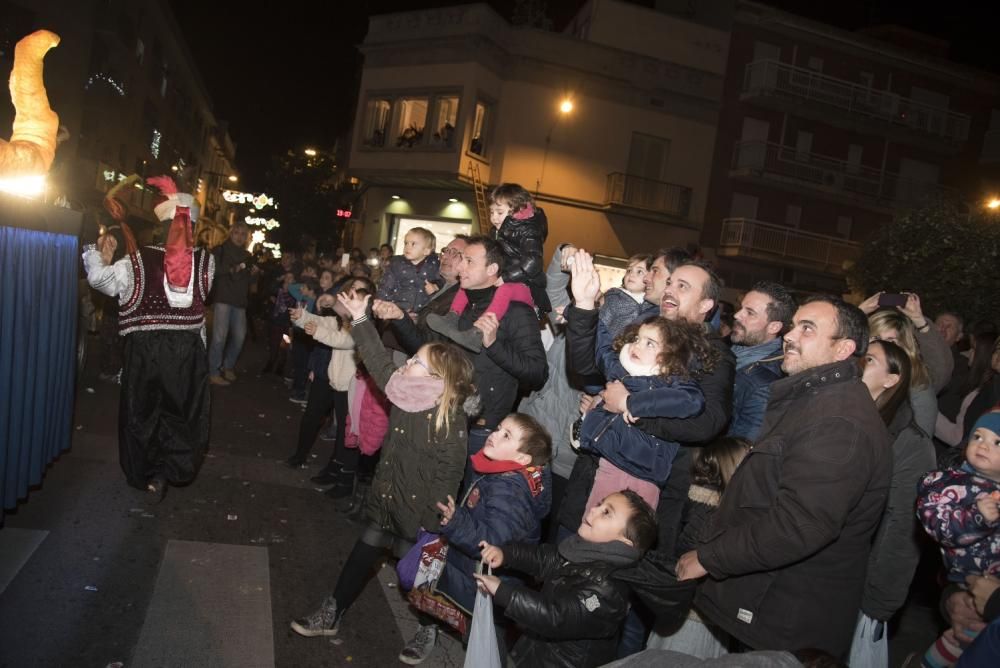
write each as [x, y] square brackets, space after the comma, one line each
[765, 313]
[786, 551]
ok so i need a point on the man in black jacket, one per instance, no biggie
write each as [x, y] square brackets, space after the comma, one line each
[512, 358]
[787, 549]
[690, 293]
[234, 268]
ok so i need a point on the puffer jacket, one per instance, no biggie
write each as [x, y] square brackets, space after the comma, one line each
[419, 466]
[896, 550]
[523, 243]
[787, 549]
[403, 282]
[342, 366]
[574, 621]
[499, 508]
[626, 446]
[946, 505]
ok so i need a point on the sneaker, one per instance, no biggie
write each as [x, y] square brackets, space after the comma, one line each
[218, 380]
[323, 622]
[229, 375]
[297, 398]
[420, 646]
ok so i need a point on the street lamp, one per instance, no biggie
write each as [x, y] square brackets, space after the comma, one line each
[311, 152]
[993, 204]
[565, 109]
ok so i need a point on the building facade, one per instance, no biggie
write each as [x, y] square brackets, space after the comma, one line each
[129, 94]
[825, 134]
[457, 95]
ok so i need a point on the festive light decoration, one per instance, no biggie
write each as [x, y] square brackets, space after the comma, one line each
[106, 78]
[268, 224]
[259, 201]
[256, 238]
[24, 186]
[154, 145]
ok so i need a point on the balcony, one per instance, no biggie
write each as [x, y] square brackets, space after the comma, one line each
[831, 176]
[772, 79]
[745, 237]
[636, 192]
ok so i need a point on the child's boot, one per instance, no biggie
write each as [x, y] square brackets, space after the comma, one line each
[447, 325]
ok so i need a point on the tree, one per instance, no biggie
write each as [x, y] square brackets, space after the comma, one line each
[305, 188]
[945, 255]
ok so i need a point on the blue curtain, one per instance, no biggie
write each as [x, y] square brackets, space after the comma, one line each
[39, 271]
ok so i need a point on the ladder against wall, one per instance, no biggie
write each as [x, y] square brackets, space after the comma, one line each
[482, 207]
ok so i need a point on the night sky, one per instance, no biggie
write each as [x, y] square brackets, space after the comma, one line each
[287, 78]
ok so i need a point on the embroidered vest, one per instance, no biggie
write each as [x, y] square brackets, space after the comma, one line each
[147, 307]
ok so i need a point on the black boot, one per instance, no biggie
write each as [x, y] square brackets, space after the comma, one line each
[447, 325]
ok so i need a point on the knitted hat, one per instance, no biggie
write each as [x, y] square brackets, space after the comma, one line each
[989, 421]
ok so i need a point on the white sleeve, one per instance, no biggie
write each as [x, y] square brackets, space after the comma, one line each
[112, 280]
[952, 432]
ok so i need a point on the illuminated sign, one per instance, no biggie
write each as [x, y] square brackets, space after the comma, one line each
[259, 201]
[343, 213]
[267, 224]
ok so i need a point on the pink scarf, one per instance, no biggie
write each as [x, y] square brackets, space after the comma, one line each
[414, 394]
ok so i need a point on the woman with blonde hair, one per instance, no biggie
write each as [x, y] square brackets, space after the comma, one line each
[423, 457]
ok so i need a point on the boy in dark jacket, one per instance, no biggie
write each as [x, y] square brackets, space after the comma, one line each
[505, 502]
[574, 621]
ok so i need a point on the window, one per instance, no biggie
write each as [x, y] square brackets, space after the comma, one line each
[445, 120]
[480, 126]
[376, 123]
[408, 122]
[844, 226]
[411, 119]
[815, 63]
[793, 215]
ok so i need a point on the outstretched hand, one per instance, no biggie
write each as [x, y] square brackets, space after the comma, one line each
[354, 305]
[911, 309]
[385, 310]
[585, 281]
[106, 245]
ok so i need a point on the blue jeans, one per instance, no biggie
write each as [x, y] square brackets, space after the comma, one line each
[228, 322]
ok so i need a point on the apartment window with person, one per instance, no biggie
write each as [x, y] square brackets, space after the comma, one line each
[480, 127]
[376, 122]
[445, 120]
[411, 121]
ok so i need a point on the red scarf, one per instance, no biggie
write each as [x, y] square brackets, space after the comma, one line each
[483, 464]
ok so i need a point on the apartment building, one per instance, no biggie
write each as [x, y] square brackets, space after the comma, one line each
[824, 134]
[128, 91]
[611, 123]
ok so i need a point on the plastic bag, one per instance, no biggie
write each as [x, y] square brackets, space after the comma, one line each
[482, 651]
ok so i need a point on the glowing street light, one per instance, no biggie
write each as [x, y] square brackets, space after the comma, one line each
[233, 178]
[566, 106]
[993, 204]
[311, 152]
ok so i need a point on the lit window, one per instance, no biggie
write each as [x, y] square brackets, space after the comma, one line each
[480, 126]
[376, 123]
[411, 117]
[445, 120]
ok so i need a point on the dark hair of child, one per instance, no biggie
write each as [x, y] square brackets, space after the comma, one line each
[535, 440]
[716, 463]
[686, 351]
[641, 525]
[513, 194]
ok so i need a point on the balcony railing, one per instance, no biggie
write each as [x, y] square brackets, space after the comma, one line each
[770, 77]
[643, 193]
[788, 162]
[756, 238]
